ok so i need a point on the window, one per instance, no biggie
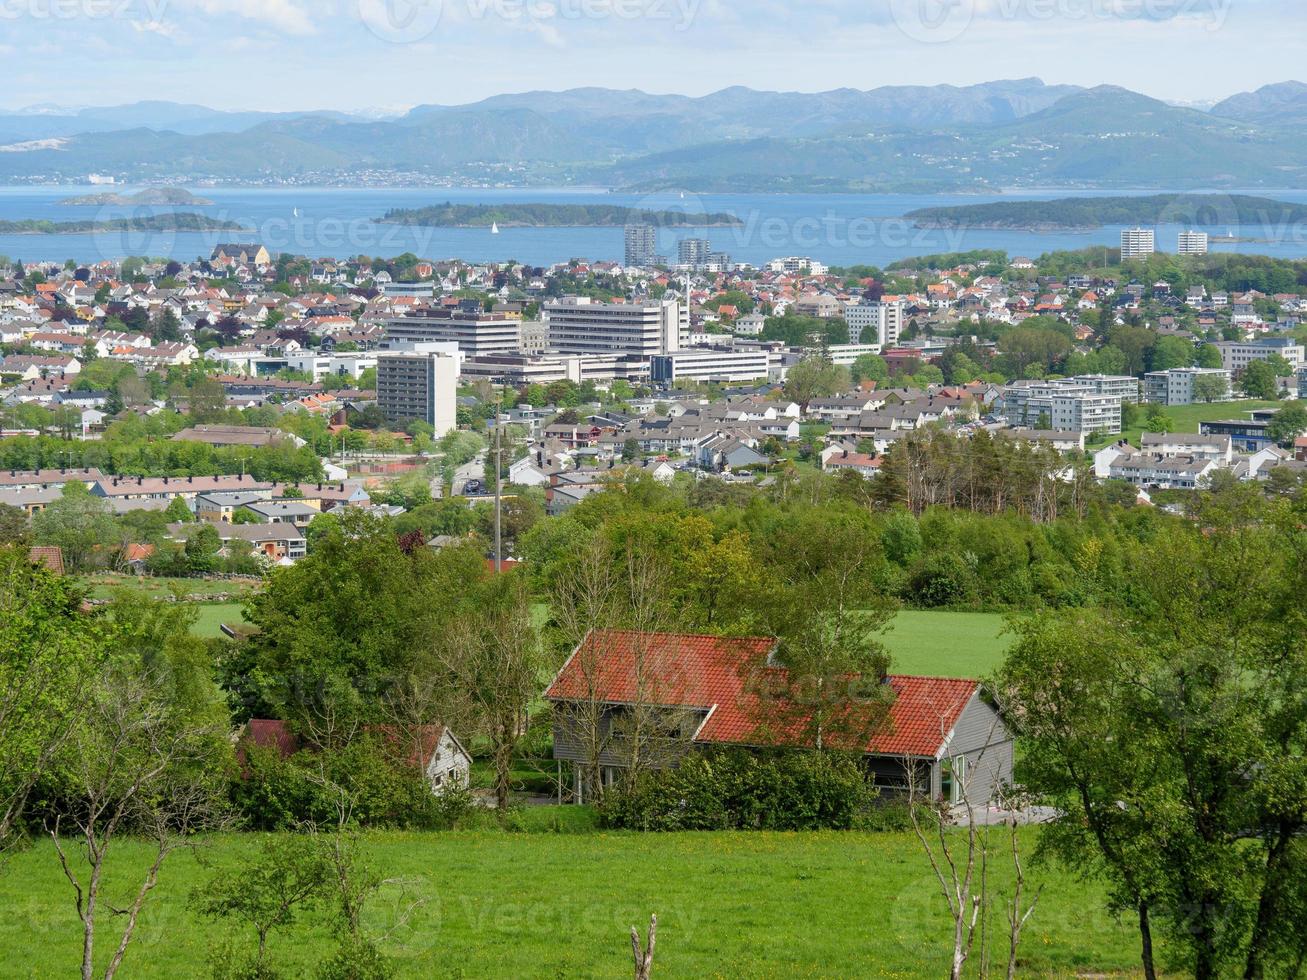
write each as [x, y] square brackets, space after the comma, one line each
[952, 774]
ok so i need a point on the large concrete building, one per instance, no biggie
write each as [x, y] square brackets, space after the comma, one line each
[1237, 355]
[1138, 243]
[711, 364]
[876, 323]
[418, 384]
[1176, 386]
[1193, 243]
[580, 325]
[475, 333]
[641, 245]
[1066, 405]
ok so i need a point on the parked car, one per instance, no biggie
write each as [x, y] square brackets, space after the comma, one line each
[473, 487]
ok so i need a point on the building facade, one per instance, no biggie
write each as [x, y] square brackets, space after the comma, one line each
[1138, 243]
[580, 325]
[418, 385]
[475, 333]
[641, 244]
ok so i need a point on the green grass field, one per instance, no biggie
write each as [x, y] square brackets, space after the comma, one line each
[211, 617]
[102, 586]
[1188, 417]
[496, 904]
[946, 644]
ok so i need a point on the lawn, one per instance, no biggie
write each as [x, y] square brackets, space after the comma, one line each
[495, 904]
[102, 586]
[946, 644]
[1188, 417]
[211, 617]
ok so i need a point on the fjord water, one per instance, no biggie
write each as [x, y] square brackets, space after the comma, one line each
[838, 229]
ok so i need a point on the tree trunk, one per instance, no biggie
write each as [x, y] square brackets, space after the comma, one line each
[1146, 938]
[644, 957]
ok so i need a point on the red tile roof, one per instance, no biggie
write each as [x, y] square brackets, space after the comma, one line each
[51, 558]
[727, 678]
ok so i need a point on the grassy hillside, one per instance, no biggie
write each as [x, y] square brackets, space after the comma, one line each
[947, 644]
[495, 904]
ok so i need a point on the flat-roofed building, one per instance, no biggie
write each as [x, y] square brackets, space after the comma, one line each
[418, 385]
[580, 325]
[475, 333]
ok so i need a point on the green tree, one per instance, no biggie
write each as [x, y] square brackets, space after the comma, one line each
[815, 377]
[82, 526]
[1288, 423]
[1258, 381]
[1211, 387]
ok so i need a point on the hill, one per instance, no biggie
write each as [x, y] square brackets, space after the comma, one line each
[151, 196]
[550, 216]
[150, 223]
[1200, 210]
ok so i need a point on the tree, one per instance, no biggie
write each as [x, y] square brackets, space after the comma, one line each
[13, 525]
[1166, 736]
[1211, 387]
[1171, 352]
[177, 512]
[134, 763]
[492, 658]
[49, 653]
[208, 400]
[1258, 381]
[1208, 356]
[815, 377]
[1287, 424]
[81, 525]
[870, 367]
[289, 876]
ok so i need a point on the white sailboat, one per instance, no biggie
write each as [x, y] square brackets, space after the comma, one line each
[494, 228]
[295, 212]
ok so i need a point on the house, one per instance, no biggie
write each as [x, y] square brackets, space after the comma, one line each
[444, 763]
[936, 729]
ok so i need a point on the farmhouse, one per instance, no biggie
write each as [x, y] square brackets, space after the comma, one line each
[944, 729]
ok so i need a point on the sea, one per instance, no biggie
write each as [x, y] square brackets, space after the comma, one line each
[332, 222]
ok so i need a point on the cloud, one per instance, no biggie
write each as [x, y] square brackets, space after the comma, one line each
[282, 15]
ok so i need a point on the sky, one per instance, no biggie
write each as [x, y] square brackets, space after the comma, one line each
[392, 54]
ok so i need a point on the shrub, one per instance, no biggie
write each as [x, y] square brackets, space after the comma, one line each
[740, 790]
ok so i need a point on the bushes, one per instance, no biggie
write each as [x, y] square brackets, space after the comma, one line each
[739, 790]
[283, 794]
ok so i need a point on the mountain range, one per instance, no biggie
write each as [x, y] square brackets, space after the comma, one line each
[998, 134]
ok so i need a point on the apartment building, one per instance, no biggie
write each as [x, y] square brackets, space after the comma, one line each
[876, 323]
[1138, 243]
[1177, 386]
[1064, 405]
[476, 333]
[581, 325]
[418, 384]
[1193, 243]
[641, 245]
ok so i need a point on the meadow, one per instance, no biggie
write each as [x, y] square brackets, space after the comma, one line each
[1188, 418]
[946, 644]
[491, 903]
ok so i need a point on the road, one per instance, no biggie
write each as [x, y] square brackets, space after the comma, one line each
[475, 470]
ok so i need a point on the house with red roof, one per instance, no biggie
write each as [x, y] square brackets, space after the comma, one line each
[731, 692]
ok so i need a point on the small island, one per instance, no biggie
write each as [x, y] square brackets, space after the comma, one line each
[1089, 213]
[182, 222]
[150, 197]
[449, 215]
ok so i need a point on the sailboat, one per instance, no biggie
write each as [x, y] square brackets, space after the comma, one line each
[494, 228]
[295, 212]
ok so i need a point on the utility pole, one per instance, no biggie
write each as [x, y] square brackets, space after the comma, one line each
[499, 485]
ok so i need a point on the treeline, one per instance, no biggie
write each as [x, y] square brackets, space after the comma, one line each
[551, 215]
[1193, 210]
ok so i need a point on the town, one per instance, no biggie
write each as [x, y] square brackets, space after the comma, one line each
[660, 546]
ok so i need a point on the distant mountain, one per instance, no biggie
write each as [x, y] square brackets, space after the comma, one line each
[1285, 102]
[903, 138]
[1079, 213]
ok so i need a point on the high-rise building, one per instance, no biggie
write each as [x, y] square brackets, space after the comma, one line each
[475, 333]
[693, 251]
[418, 384]
[876, 323]
[641, 245]
[1193, 243]
[580, 325]
[1137, 242]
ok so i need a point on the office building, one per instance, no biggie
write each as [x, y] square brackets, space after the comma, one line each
[1137, 243]
[710, 364]
[1193, 243]
[581, 325]
[475, 333]
[420, 384]
[1065, 405]
[420, 290]
[1177, 386]
[1237, 355]
[641, 245]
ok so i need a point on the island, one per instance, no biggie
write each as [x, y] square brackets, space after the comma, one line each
[1088, 213]
[449, 215]
[181, 222]
[150, 197]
